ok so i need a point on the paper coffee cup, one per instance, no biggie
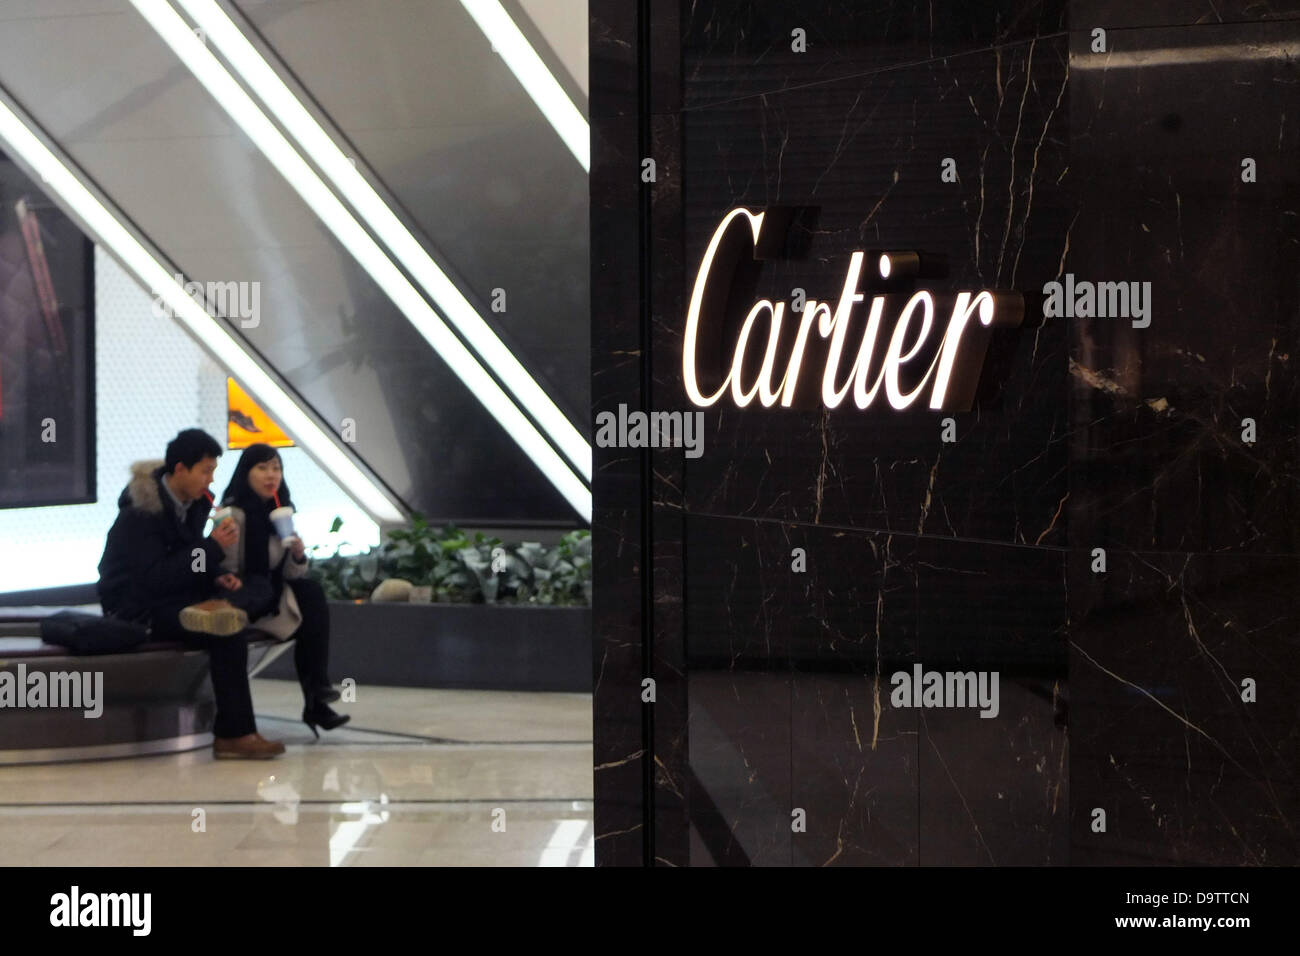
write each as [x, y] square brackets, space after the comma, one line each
[282, 518]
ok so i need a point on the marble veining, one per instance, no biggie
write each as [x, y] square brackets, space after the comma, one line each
[1111, 528]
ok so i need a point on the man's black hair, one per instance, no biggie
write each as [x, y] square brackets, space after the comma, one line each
[189, 448]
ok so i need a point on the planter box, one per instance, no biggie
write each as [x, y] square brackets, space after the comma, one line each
[486, 647]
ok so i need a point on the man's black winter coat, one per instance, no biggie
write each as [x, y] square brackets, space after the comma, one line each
[150, 557]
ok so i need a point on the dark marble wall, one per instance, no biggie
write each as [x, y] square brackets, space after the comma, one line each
[772, 690]
[1199, 526]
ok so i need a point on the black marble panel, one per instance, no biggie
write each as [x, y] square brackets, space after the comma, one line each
[793, 635]
[732, 43]
[867, 154]
[854, 767]
[621, 752]
[1085, 15]
[1158, 457]
[737, 618]
[855, 772]
[1186, 770]
[994, 790]
[811, 554]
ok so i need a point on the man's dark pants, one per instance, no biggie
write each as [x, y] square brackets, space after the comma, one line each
[228, 659]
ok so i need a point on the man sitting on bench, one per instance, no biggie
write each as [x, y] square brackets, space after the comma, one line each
[158, 568]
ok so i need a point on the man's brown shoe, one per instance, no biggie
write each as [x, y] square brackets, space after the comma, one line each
[247, 747]
[214, 617]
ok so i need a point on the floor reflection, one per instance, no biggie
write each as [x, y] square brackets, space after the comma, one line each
[442, 778]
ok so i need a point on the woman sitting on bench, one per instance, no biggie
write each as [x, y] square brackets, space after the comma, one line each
[279, 598]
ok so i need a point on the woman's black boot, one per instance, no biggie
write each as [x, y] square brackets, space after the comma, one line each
[320, 714]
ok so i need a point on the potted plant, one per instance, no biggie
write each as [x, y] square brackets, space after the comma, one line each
[500, 615]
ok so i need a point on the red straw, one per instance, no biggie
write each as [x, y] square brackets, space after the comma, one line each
[277, 498]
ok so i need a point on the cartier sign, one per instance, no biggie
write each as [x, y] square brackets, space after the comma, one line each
[931, 352]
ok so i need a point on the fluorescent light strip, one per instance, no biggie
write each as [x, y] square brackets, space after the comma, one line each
[533, 76]
[109, 232]
[221, 31]
[249, 117]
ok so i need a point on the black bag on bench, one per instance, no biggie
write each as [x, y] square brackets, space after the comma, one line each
[84, 633]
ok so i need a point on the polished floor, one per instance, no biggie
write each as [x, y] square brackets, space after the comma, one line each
[419, 777]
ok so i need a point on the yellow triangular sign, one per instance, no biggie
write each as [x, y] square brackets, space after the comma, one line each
[247, 424]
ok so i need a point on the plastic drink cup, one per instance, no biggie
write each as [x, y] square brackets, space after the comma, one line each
[282, 518]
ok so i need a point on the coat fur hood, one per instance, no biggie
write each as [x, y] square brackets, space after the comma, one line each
[142, 491]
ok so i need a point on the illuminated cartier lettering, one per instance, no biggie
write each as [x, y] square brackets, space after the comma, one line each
[697, 297]
[954, 361]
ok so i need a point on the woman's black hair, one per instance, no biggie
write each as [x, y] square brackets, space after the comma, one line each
[238, 492]
[257, 513]
[258, 528]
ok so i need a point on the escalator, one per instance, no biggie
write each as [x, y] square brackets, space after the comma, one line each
[448, 138]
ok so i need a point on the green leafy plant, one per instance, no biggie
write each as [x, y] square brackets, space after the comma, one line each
[463, 569]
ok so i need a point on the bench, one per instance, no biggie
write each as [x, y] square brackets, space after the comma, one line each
[156, 698]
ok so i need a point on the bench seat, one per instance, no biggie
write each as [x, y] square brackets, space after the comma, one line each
[157, 697]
